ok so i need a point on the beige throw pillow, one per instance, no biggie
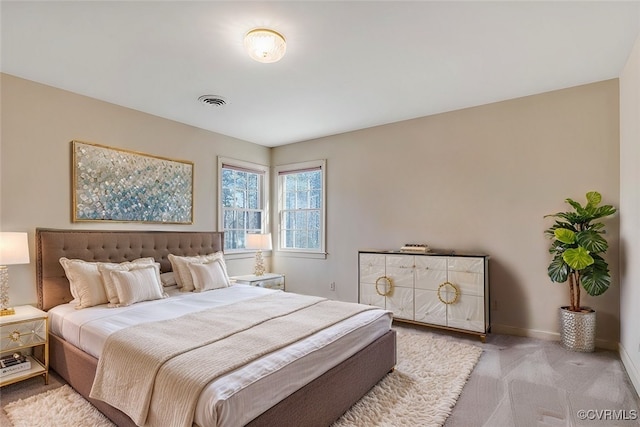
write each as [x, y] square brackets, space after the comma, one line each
[137, 285]
[208, 276]
[180, 266]
[85, 282]
[168, 279]
[105, 270]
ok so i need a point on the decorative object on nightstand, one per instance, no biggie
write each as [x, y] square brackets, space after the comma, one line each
[266, 280]
[24, 345]
[261, 242]
[14, 249]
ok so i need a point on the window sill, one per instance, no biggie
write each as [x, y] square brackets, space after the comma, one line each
[245, 254]
[296, 254]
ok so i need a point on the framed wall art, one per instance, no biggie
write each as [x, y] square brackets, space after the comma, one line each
[111, 184]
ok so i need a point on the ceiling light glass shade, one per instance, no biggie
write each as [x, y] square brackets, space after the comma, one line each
[265, 45]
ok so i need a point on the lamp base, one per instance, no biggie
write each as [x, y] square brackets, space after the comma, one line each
[259, 268]
[7, 312]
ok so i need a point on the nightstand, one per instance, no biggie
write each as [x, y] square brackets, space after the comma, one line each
[27, 332]
[267, 280]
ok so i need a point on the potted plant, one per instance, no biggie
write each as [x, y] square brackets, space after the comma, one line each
[577, 247]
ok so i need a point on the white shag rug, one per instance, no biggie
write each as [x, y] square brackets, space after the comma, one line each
[421, 391]
[60, 407]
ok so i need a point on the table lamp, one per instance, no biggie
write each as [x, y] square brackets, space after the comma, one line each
[261, 242]
[14, 249]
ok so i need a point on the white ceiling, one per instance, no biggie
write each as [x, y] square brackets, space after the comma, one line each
[349, 65]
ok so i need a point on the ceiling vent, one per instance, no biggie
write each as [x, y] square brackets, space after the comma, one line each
[213, 100]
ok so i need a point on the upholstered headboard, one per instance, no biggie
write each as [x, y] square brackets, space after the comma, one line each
[109, 246]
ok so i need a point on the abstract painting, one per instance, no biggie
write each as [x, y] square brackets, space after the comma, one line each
[111, 184]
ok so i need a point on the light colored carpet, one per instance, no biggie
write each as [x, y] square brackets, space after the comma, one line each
[422, 390]
[60, 407]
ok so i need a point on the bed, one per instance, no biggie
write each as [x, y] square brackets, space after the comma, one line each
[322, 396]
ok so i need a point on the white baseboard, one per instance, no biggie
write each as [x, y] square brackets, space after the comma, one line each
[632, 370]
[545, 335]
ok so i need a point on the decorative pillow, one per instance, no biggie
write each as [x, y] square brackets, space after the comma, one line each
[138, 284]
[208, 276]
[180, 266]
[168, 279]
[105, 270]
[85, 282]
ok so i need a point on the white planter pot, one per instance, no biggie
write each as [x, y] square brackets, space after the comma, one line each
[578, 329]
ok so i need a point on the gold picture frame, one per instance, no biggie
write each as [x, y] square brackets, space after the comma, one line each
[116, 185]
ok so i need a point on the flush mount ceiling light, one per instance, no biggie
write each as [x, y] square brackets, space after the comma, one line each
[265, 45]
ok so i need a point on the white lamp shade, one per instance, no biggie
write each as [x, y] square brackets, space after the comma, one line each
[265, 45]
[14, 248]
[259, 241]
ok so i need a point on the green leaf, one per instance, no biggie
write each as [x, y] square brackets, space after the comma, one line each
[603, 211]
[592, 241]
[558, 270]
[558, 247]
[593, 199]
[577, 206]
[595, 278]
[570, 217]
[564, 235]
[577, 258]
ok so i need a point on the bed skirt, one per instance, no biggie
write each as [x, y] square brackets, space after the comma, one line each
[319, 403]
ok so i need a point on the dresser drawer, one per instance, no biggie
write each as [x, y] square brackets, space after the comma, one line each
[23, 334]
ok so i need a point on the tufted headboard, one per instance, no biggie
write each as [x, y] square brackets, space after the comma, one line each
[109, 246]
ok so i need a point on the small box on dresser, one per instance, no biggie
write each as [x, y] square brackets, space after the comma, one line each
[266, 280]
[23, 332]
[436, 289]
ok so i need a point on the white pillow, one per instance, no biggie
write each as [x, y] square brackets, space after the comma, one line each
[180, 266]
[168, 279]
[208, 276]
[105, 273]
[85, 282]
[136, 285]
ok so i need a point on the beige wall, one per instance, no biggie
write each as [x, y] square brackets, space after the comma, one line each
[38, 123]
[630, 215]
[475, 180]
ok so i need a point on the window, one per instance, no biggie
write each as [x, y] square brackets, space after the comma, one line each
[301, 205]
[243, 189]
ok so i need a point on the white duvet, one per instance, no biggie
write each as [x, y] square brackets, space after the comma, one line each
[240, 396]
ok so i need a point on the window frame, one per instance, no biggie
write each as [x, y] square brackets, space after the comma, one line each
[266, 183]
[279, 172]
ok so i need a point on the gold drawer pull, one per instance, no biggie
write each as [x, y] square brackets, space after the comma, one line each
[455, 298]
[14, 336]
[387, 282]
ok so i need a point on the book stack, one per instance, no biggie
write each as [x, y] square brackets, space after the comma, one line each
[14, 364]
[415, 248]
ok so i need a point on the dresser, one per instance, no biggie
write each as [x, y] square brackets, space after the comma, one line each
[436, 289]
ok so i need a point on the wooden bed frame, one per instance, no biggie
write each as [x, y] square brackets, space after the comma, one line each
[318, 403]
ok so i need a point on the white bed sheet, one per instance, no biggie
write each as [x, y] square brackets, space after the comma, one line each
[240, 396]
